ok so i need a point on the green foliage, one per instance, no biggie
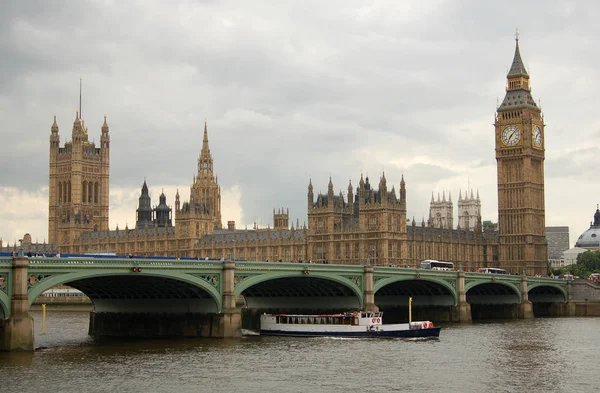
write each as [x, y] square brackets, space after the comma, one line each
[587, 263]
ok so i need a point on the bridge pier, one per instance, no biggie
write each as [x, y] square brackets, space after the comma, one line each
[462, 311]
[230, 318]
[368, 295]
[525, 309]
[16, 331]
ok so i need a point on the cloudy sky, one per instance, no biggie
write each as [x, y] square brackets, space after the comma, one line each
[292, 91]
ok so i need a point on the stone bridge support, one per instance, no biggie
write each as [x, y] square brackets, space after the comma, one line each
[525, 309]
[368, 295]
[16, 331]
[462, 311]
[230, 319]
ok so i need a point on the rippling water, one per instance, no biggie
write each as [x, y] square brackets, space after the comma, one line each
[540, 355]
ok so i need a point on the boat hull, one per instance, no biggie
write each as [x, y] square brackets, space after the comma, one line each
[405, 333]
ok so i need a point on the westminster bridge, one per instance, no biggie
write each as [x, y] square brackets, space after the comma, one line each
[154, 298]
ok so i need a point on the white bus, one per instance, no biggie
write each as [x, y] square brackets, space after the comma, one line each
[493, 270]
[436, 265]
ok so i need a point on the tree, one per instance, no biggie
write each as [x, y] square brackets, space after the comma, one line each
[587, 263]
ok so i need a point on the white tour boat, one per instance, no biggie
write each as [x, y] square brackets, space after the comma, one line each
[350, 324]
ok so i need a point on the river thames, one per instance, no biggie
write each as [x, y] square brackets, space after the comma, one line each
[539, 355]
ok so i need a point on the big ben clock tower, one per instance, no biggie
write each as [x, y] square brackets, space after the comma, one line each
[520, 162]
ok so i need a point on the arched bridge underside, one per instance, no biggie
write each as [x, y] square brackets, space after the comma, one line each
[423, 293]
[303, 292]
[316, 293]
[145, 294]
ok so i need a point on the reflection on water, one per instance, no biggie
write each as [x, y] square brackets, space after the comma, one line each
[540, 355]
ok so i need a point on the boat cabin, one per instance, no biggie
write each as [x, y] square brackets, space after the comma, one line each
[357, 318]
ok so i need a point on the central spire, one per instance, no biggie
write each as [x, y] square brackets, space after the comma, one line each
[205, 162]
[205, 139]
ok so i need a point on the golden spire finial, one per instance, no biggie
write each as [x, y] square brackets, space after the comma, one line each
[517, 34]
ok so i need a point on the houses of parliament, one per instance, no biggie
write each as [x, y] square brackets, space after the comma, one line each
[367, 225]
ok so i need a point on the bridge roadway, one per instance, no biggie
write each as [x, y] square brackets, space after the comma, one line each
[150, 297]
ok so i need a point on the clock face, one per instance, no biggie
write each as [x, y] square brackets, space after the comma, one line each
[511, 135]
[536, 136]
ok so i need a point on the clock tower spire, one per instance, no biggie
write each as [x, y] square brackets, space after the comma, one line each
[519, 130]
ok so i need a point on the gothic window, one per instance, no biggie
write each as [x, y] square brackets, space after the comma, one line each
[372, 223]
[96, 192]
[389, 223]
[320, 252]
[321, 225]
[90, 192]
[69, 191]
[60, 193]
[84, 192]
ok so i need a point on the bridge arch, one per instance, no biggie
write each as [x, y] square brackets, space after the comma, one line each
[190, 283]
[340, 292]
[547, 293]
[436, 287]
[492, 292]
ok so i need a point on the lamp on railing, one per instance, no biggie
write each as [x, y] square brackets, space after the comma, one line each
[21, 251]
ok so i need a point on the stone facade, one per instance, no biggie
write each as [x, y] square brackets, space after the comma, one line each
[79, 184]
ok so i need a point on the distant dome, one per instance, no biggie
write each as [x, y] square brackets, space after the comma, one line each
[591, 237]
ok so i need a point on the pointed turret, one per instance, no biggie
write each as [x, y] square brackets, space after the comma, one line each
[350, 193]
[105, 139]
[54, 137]
[330, 193]
[403, 192]
[144, 210]
[54, 128]
[311, 199]
[77, 132]
[104, 126]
